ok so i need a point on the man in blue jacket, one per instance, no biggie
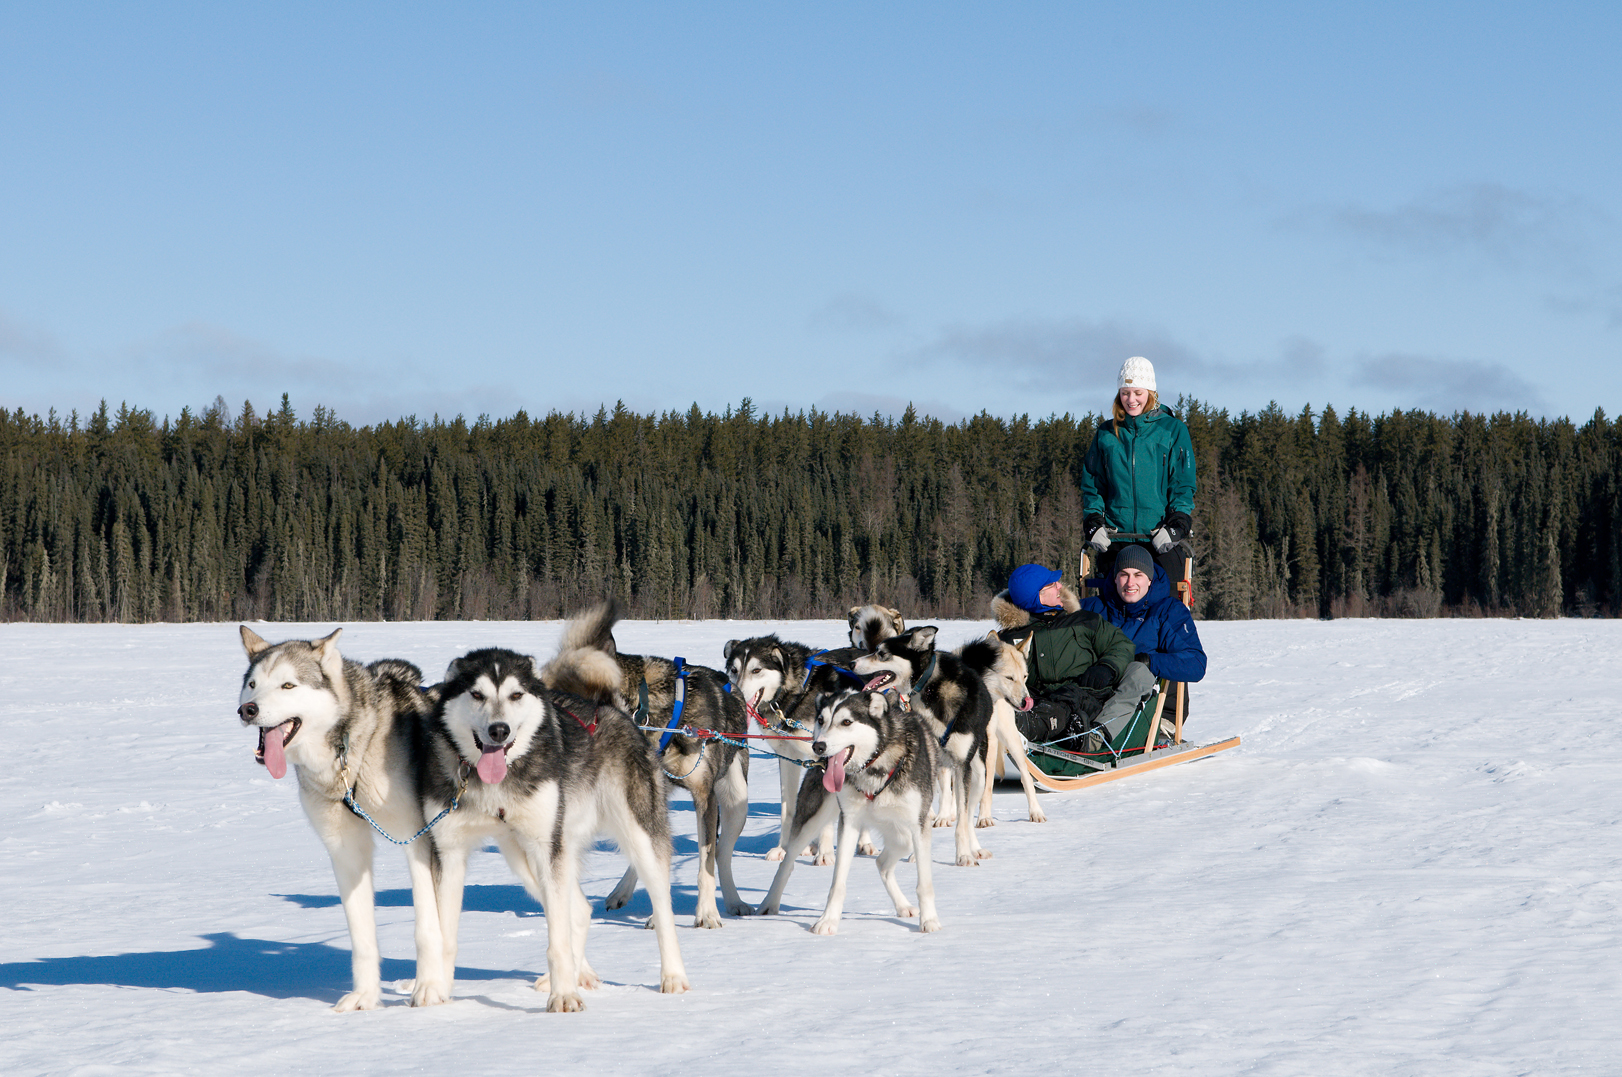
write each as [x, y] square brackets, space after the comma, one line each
[1137, 599]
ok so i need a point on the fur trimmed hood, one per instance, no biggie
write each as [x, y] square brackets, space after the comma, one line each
[1009, 615]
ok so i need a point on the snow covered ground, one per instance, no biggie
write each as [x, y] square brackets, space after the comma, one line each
[1409, 867]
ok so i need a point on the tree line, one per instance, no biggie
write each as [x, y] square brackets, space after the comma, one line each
[221, 516]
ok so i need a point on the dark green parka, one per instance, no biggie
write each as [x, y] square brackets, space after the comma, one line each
[1139, 471]
[1068, 645]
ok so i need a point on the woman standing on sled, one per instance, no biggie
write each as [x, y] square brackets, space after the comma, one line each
[1138, 475]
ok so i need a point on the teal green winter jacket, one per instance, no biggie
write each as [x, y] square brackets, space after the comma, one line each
[1137, 475]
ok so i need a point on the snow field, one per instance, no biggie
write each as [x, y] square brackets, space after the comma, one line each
[1410, 866]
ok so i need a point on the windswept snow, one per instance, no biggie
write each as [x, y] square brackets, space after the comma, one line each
[1409, 867]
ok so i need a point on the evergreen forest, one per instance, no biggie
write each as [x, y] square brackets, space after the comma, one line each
[233, 516]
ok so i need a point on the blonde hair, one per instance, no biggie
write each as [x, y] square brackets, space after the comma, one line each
[1120, 412]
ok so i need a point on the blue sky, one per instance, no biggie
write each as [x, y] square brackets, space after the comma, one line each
[401, 209]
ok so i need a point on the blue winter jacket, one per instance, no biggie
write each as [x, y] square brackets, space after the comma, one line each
[1159, 625]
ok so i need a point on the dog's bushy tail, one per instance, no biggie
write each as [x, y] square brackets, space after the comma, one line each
[979, 656]
[585, 664]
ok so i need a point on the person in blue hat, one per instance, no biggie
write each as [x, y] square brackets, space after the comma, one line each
[1081, 669]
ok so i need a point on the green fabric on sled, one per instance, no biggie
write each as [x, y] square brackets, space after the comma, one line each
[1128, 743]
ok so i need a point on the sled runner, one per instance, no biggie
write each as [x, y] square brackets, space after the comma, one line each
[1138, 747]
[1059, 769]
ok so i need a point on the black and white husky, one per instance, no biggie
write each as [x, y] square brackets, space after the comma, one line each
[954, 702]
[356, 731]
[880, 763]
[779, 683]
[871, 623]
[1002, 669]
[714, 772]
[542, 774]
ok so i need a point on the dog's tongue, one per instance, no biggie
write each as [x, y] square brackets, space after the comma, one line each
[493, 765]
[833, 778]
[879, 680]
[275, 757]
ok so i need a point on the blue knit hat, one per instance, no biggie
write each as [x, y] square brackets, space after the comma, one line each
[1026, 583]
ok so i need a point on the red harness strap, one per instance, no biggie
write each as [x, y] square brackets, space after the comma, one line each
[590, 729]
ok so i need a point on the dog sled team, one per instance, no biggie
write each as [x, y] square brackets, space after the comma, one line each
[877, 743]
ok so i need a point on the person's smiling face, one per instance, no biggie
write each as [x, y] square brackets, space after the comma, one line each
[1134, 400]
[1131, 584]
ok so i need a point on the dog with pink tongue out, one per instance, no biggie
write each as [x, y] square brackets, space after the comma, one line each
[879, 763]
[352, 734]
[542, 773]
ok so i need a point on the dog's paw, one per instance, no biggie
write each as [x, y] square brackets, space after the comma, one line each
[570, 1003]
[946, 820]
[929, 924]
[776, 854]
[613, 901]
[427, 994]
[673, 983]
[982, 854]
[1038, 815]
[710, 918]
[738, 908]
[588, 978]
[360, 1000]
[867, 848]
[984, 821]
[825, 926]
[967, 860]
[823, 860]
[906, 912]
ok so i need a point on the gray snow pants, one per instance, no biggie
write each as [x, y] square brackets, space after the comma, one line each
[1135, 684]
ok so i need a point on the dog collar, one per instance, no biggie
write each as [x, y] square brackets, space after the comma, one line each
[888, 778]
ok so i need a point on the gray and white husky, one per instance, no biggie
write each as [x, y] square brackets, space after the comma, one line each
[542, 774]
[953, 701]
[355, 730]
[779, 682]
[714, 772]
[880, 764]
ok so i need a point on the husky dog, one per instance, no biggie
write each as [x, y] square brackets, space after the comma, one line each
[778, 683]
[350, 731]
[953, 700]
[542, 774]
[1002, 668]
[714, 772]
[870, 624]
[880, 764]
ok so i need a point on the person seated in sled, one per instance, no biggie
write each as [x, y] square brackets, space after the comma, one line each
[1137, 599]
[1138, 474]
[1080, 669]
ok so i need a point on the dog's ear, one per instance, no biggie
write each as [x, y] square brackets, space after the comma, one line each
[327, 646]
[923, 638]
[877, 704]
[854, 610]
[452, 670]
[777, 652]
[251, 642]
[1023, 646]
[726, 651]
[994, 639]
[895, 619]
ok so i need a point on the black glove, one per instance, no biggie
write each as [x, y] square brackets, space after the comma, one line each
[1098, 676]
[1097, 534]
[1141, 657]
[1178, 525]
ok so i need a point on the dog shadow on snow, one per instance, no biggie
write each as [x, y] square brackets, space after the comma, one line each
[272, 968]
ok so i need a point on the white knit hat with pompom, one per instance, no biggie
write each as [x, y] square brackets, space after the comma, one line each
[1136, 373]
